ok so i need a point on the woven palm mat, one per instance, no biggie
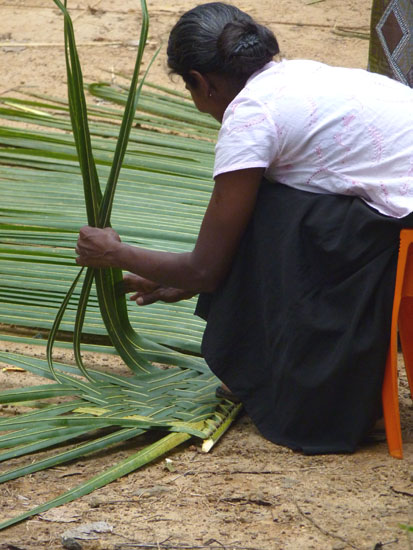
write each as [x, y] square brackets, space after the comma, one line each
[391, 43]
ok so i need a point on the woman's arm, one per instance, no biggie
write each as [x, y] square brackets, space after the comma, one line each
[229, 210]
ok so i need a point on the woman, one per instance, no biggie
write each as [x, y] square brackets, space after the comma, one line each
[295, 271]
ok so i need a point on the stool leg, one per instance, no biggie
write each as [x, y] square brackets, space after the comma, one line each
[391, 413]
[406, 305]
[390, 390]
[406, 336]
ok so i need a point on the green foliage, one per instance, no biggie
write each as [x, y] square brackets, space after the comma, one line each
[164, 179]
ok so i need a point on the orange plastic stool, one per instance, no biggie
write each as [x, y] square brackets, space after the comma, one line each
[402, 318]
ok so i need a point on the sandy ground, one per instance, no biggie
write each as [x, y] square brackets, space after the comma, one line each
[247, 493]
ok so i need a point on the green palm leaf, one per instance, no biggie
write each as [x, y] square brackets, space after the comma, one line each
[174, 182]
[172, 399]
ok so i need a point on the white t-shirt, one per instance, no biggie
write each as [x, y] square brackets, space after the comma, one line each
[325, 130]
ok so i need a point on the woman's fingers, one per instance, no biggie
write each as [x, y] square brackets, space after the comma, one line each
[97, 247]
[146, 299]
[163, 294]
[132, 283]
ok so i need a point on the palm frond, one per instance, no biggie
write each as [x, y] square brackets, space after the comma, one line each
[162, 185]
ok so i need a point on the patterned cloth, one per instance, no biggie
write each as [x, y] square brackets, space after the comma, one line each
[391, 43]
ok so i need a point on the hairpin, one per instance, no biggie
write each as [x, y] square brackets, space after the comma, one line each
[245, 42]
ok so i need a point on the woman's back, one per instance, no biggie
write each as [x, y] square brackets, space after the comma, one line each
[324, 129]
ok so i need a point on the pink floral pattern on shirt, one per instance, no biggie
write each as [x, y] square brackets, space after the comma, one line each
[325, 130]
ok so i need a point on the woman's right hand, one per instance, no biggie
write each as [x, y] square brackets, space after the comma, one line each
[148, 292]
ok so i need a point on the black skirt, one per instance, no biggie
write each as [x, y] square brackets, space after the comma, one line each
[299, 330]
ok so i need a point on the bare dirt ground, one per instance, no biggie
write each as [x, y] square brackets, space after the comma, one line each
[247, 493]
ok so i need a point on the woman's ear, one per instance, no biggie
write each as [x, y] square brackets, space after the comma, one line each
[202, 83]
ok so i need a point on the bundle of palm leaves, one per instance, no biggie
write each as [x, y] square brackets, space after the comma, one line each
[162, 184]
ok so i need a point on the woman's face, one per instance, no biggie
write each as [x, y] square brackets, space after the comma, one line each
[212, 94]
[203, 101]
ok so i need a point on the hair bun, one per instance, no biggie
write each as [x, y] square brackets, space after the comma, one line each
[243, 45]
[218, 37]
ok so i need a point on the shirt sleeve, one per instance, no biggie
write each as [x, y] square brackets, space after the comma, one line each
[247, 138]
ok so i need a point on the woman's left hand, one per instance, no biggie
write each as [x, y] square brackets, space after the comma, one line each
[97, 247]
